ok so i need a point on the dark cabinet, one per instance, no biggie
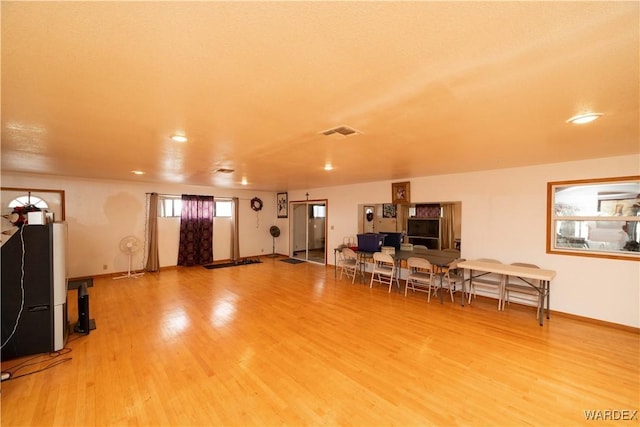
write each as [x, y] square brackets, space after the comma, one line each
[34, 315]
[424, 231]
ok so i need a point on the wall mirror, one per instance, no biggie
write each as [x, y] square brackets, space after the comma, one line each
[437, 225]
[597, 217]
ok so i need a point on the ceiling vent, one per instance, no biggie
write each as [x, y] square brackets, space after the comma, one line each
[343, 130]
[224, 170]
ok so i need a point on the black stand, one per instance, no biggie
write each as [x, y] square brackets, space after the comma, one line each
[85, 324]
[273, 252]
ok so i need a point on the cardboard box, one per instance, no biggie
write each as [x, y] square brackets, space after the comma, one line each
[36, 218]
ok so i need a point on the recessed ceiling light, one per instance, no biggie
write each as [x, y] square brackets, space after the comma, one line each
[137, 172]
[581, 119]
[179, 138]
[328, 167]
[244, 181]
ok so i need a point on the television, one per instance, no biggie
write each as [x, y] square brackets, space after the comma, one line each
[424, 227]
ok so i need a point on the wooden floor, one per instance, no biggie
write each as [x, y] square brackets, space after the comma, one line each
[287, 344]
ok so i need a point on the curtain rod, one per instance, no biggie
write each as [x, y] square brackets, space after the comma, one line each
[165, 195]
[180, 195]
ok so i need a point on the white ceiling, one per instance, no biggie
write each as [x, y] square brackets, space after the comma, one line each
[96, 89]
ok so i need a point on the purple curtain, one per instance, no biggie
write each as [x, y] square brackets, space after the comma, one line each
[196, 230]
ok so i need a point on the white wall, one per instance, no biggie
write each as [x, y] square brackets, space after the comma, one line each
[100, 213]
[503, 217]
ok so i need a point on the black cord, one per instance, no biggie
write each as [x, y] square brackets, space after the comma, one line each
[10, 373]
[22, 292]
[77, 336]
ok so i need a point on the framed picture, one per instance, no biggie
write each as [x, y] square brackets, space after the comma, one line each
[389, 210]
[283, 205]
[400, 193]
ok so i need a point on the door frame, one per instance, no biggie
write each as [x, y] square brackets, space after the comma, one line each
[296, 234]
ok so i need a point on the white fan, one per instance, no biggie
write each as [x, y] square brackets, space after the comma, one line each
[129, 245]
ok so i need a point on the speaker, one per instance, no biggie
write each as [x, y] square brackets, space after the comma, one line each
[82, 327]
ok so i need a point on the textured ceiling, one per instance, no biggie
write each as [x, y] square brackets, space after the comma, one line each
[96, 89]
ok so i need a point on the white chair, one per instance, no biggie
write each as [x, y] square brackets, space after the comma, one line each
[515, 286]
[491, 282]
[349, 264]
[420, 276]
[420, 248]
[453, 277]
[384, 270]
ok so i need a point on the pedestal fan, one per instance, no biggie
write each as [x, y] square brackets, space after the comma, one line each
[129, 245]
[275, 232]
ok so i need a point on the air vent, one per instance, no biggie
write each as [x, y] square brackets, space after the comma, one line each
[343, 130]
[224, 170]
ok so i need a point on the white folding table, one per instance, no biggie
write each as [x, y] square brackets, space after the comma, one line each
[531, 273]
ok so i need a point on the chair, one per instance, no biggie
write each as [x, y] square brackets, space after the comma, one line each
[524, 292]
[487, 281]
[420, 276]
[420, 248]
[384, 270]
[453, 277]
[349, 264]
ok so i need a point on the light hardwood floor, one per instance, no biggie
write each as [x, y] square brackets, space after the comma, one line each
[282, 344]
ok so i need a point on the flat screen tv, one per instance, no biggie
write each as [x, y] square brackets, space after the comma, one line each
[424, 227]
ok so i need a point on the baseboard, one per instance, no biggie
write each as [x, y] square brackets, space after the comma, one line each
[553, 313]
[597, 322]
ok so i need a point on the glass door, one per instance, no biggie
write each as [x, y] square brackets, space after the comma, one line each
[309, 231]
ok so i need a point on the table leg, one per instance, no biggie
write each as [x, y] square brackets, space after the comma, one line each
[463, 287]
[541, 306]
[503, 285]
[544, 294]
[548, 291]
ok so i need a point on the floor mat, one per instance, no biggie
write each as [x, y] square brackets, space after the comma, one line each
[292, 261]
[232, 264]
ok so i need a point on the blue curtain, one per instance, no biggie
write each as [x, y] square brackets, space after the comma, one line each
[196, 230]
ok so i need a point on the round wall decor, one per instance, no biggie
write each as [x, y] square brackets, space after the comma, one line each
[256, 204]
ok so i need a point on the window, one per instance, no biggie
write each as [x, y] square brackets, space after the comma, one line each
[598, 218]
[319, 211]
[223, 208]
[28, 200]
[169, 206]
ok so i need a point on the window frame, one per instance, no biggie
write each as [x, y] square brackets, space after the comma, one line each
[579, 246]
[225, 201]
[40, 203]
[162, 209]
[60, 216]
[318, 211]
[177, 213]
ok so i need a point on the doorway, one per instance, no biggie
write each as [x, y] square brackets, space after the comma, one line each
[369, 213]
[309, 231]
